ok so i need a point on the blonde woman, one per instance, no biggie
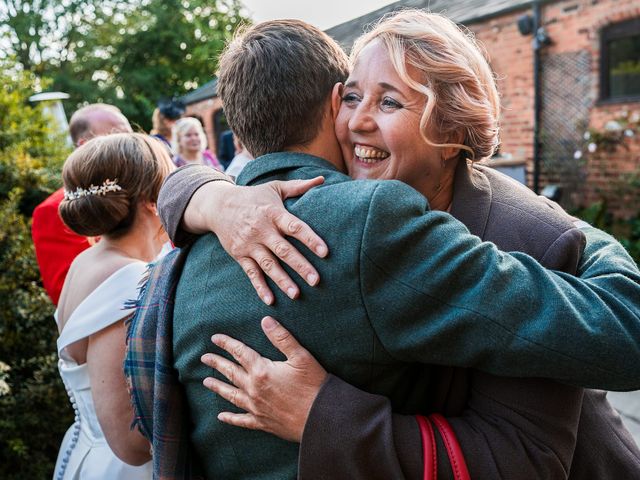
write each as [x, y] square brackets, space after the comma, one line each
[111, 186]
[190, 144]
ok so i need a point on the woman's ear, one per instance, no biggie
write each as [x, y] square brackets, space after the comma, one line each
[336, 99]
[151, 207]
[451, 152]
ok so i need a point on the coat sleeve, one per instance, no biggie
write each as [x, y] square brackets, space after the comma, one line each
[425, 280]
[352, 434]
[523, 429]
[496, 414]
[175, 194]
[509, 428]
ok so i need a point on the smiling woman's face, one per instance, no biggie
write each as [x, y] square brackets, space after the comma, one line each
[190, 141]
[378, 125]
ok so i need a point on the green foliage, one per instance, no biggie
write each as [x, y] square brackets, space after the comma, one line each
[44, 33]
[31, 150]
[34, 408]
[626, 230]
[615, 137]
[627, 68]
[127, 53]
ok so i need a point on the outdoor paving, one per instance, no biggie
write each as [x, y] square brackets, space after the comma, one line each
[628, 405]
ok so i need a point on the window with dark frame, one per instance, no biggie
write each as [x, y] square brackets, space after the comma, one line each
[620, 61]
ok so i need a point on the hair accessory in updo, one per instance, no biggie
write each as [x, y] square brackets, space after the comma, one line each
[107, 186]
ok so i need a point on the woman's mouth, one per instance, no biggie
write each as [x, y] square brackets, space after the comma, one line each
[368, 154]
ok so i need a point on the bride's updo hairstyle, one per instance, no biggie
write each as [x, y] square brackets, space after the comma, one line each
[106, 179]
[462, 100]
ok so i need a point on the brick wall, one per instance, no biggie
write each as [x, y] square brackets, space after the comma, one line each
[511, 58]
[574, 27]
[205, 110]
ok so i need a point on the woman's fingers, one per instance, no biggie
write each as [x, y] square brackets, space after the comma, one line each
[307, 371]
[292, 226]
[292, 257]
[295, 188]
[252, 270]
[260, 226]
[281, 338]
[244, 355]
[278, 395]
[270, 265]
[244, 420]
[231, 394]
[232, 371]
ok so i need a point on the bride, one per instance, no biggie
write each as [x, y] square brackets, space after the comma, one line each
[111, 187]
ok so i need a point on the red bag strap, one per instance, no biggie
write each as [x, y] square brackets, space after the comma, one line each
[428, 448]
[456, 457]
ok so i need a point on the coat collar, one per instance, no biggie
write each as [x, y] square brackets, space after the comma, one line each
[272, 162]
[472, 197]
[472, 193]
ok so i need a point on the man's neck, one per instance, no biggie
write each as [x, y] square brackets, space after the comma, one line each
[324, 145]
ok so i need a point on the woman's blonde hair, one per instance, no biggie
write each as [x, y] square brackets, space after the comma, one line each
[137, 163]
[460, 88]
[184, 125]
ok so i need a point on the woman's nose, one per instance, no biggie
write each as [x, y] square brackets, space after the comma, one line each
[361, 120]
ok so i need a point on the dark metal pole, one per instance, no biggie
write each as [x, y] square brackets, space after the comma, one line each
[537, 96]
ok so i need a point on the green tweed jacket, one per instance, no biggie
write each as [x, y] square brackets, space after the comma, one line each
[403, 287]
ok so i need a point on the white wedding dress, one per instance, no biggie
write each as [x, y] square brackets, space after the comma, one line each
[85, 454]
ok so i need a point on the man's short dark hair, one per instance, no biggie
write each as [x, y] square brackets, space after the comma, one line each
[172, 109]
[274, 79]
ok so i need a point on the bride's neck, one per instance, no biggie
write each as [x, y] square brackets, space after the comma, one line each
[141, 243]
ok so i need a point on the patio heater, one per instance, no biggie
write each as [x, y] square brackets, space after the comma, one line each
[52, 105]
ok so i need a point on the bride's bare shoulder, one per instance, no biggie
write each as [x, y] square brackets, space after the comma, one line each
[87, 272]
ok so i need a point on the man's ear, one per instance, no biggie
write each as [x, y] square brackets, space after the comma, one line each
[336, 99]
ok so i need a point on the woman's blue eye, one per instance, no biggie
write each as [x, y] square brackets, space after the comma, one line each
[350, 98]
[390, 103]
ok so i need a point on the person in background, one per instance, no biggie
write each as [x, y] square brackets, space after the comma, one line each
[111, 187]
[56, 246]
[241, 158]
[190, 144]
[164, 118]
[226, 149]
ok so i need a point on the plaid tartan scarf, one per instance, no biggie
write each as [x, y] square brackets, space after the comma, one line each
[159, 402]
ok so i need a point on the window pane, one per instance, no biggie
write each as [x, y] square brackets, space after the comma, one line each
[624, 67]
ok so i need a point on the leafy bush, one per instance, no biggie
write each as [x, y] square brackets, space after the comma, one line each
[616, 136]
[34, 407]
[626, 230]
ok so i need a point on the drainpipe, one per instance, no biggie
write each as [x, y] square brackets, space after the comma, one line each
[537, 94]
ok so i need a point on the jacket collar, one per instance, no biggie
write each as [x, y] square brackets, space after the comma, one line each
[472, 197]
[271, 163]
[472, 191]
